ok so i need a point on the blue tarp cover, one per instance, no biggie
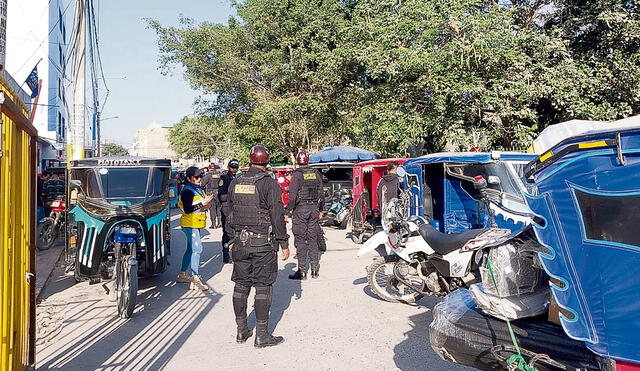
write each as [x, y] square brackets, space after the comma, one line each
[589, 202]
[342, 153]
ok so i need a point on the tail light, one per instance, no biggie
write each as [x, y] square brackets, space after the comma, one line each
[73, 240]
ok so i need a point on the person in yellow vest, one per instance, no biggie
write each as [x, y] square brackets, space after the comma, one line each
[194, 203]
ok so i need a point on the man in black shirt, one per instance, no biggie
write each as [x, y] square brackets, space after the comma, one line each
[210, 183]
[223, 189]
[258, 226]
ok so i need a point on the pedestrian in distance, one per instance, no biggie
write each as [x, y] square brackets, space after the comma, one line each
[389, 185]
[258, 225]
[41, 196]
[306, 202]
[223, 189]
[194, 203]
[210, 184]
[54, 188]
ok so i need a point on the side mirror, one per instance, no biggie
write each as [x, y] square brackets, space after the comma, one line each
[401, 171]
[75, 184]
[493, 180]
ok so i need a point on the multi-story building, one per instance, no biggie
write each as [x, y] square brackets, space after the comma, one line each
[153, 143]
[38, 32]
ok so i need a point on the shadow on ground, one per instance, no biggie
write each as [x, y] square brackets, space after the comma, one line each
[165, 317]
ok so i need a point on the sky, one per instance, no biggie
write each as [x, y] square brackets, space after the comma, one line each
[145, 97]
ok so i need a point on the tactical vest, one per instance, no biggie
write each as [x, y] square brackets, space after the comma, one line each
[309, 190]
[198, 218]
[246, 203]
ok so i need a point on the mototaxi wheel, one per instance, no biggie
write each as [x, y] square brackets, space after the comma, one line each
[386, 286]
[46, 234]
[126, 286]
[357, 238]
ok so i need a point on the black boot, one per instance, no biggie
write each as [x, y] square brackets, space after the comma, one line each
[263, 338]
[226, 257]
[243, 331]
[298, 275]
[315, 272]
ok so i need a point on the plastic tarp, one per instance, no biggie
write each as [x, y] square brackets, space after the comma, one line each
[341, 153]
[588, 200]
[463, 334]
[512, 307]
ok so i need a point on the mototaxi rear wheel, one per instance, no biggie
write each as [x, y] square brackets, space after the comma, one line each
[386, 286]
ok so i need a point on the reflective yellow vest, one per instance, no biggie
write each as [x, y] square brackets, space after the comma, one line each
[198, 218]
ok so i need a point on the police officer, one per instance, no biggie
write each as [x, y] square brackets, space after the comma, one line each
[306, 201]
[210, 183]
[223, 188]
[258, 226]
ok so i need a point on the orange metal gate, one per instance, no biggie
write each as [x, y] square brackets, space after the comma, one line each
[17, 233]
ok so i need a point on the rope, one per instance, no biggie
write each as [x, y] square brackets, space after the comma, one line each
[516, 361]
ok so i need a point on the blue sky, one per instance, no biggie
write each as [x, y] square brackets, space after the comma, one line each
[129, 49]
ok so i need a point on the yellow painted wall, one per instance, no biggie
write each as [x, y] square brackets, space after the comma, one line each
[15, 227]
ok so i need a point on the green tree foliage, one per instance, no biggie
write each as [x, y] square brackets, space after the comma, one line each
[113, 149]
[405, 77]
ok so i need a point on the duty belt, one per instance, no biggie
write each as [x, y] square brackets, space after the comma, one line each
[244, 236]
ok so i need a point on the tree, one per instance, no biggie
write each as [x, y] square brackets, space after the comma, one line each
[113, 149]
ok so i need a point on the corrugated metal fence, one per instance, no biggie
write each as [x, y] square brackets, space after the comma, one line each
[17, 233]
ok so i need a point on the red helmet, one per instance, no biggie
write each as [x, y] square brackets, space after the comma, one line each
[302, 158]
[259, 155]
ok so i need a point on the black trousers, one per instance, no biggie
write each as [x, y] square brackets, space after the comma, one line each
[305, 228]
[226, 236]
[215, 212]
[254, 268]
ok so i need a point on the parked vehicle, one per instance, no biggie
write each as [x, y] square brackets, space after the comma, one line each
[419, 260]
[282, 175]
[53, 226]
[119, 222]
[337, 183]
[452, 205]
[366, 208]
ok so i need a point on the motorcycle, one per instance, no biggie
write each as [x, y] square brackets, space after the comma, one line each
[52, 226]
[340, 211]
[418, 260]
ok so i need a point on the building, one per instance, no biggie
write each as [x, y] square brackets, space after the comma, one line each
[153, 143]
[38, 33]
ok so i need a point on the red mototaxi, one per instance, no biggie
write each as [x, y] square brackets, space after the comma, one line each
[282, 175]
[366, 176]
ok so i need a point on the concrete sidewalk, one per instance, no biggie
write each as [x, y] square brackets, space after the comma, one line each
[45, 263]
[332, 323]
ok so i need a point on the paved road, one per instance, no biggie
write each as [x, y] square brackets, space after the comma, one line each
[333, 323]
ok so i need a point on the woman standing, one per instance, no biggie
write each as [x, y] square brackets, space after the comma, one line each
[194, 204]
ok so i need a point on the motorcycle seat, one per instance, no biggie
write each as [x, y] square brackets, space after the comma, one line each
[444, 243]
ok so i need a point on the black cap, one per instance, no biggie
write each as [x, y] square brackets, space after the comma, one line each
[193, 171]
[234, 163]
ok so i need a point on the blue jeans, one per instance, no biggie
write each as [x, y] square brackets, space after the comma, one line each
[39, 214]
[191, 257]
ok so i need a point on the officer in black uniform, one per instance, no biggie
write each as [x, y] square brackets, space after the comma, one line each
[258, 225]
[306, 201]
[223, 188]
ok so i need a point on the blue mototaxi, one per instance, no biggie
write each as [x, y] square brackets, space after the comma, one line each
[442, 195]
[119, 222]
[586, 196]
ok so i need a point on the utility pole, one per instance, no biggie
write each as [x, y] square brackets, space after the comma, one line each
[75, 148]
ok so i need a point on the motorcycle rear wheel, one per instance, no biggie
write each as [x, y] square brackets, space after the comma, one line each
[46, 234]
[386, 286]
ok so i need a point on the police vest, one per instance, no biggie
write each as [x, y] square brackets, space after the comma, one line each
[309, 191]
[246, 203]
[198, 218]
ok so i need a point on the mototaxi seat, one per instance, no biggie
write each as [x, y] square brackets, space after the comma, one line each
[444, 243]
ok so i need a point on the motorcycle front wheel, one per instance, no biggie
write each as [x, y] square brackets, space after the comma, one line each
[386, 286]
[126, 286]
[46, 234]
